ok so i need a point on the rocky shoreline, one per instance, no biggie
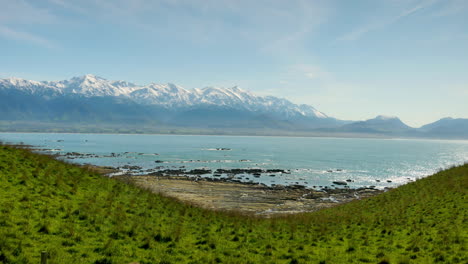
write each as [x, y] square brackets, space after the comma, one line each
[252, 199]
[233, 189]
[228, 189]
[248, 175]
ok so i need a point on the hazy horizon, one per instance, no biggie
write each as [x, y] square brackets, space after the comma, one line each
[352, 61]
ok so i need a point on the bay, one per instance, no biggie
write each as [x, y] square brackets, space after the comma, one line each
[310, 161]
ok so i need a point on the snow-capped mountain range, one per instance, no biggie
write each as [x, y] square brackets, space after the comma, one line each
[88, 100]
[164, 95]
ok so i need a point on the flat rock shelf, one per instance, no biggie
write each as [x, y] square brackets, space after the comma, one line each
[250, 199]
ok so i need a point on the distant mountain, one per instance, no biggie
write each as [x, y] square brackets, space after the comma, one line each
[393, 126]
[379, 124]
[447, 127]
[91, 98]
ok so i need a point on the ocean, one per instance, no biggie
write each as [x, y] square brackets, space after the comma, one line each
[315, 162]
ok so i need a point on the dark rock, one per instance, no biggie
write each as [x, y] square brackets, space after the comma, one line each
[129, 167]
[340, 183]
[275, 171]
[173, 172]
[199, 171]
[296, 187]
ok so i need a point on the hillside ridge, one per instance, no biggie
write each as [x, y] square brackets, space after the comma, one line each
[78, 216]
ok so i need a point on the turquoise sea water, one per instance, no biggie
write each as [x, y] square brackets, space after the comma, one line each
[311, 161]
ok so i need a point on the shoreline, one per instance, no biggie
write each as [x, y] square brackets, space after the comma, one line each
[245, 198]
[221, 194]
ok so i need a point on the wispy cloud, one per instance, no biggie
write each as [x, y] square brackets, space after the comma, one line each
[384, 21]
[23, 12]
[21, 35]
[15, 14]
[271, 26]
[301, 21]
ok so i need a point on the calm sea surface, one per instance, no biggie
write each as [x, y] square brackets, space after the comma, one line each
[311, 161]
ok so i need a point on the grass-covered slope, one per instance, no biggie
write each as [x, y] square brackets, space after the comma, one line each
[80, 217]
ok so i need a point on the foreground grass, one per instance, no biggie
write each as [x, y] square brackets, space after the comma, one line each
[81, 217]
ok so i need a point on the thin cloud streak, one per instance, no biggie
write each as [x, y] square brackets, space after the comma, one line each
[198, 22]
[23, 13]
[14, 14]
[376, 25]
[25, 36]
[206, 22]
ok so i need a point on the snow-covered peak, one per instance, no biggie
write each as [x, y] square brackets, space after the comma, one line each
[88, 79]
[161, 94]
[240, 93]
[92, 85]
[217, 93]
[308, 110]
[32, 87]
[123, 84]
[19, 82]
[174, 87]
[91, 77]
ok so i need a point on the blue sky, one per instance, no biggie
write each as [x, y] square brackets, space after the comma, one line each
[350, 59]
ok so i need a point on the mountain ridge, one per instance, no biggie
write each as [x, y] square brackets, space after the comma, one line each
[163, 94]
[96, 100]
[380, 123]
[93, 99]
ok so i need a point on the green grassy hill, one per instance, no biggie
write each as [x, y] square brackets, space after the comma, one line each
[81, 217]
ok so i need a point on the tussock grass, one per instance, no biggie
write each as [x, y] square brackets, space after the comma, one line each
[79, 216]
